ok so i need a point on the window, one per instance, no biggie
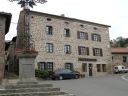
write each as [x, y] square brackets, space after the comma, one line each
[45, 66]
[98, 68]
[67, 49]
[81, 25]
[41, 66]
[124, 59]
[84, 67]
[49, 30]
[50, 66]
[83, 50]
[67, 32]
[48, 19]
[82, 35]
[69, 66]
[95, 28]
[49, 47]
[97, 52]
[66, 23]
[104, 67]
[96, 37]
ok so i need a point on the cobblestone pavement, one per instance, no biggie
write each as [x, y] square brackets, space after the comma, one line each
[112, 85]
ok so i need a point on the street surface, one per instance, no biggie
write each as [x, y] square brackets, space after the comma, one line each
[111, 85]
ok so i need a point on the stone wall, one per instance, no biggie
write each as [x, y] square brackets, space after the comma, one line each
[2, 46]
[117, 59]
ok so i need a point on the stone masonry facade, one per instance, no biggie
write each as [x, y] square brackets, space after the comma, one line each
[71, 43]
[5, 19]
[118, 59]
[2, 45]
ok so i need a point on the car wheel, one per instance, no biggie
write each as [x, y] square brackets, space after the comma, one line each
[60, 77]
[76, 76]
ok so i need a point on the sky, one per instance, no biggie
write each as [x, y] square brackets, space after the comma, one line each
[108, 12]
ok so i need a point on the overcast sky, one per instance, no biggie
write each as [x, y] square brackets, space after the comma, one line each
[109, 12]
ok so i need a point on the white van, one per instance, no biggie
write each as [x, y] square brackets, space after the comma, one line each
[120, 69]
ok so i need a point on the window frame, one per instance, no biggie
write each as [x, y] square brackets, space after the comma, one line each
[82, 50]
[50, 66]
[49, 47]
[124, 59]
[98, 66]
[69, 66]
[96, 37]
[67, 49]
[104, 67]
[82, 35]
[84, 67]
[46, 66]
[97, 52]
[49, 30]
[67, 32]
[40, 64]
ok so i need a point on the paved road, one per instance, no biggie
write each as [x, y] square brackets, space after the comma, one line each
[112, 85]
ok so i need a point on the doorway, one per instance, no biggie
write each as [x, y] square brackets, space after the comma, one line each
[90, 67]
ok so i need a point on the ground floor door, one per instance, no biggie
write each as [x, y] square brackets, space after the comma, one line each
[90, 68]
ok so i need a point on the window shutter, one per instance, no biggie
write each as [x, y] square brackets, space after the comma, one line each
[78, 34]
[99, 38]
[45, 65]
[86, 36]
[87, 51]
[79, 50]
[101, 53]
[68, 32]
[72, 67]
[94, 52]
[92, 37]
[51, 29]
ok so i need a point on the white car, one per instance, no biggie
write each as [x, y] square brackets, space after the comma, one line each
[120, 69]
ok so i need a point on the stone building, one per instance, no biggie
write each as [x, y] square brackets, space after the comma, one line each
[5, 19]
[64, 42]
[119, 56]
[11, 56]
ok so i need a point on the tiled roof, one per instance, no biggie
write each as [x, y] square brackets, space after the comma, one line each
[119, 50]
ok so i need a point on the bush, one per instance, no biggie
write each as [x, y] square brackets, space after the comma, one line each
[42, 74]
[45, 74]
[38, 73]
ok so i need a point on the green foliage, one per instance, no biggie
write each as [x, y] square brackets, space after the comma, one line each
[119, 42]
[42, 74]
[45, 74]
[38, 73]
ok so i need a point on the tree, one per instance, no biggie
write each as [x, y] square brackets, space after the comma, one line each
[119, 42]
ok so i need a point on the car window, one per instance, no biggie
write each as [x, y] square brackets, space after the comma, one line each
[69, 71]
[63, 71]
[116, 67]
